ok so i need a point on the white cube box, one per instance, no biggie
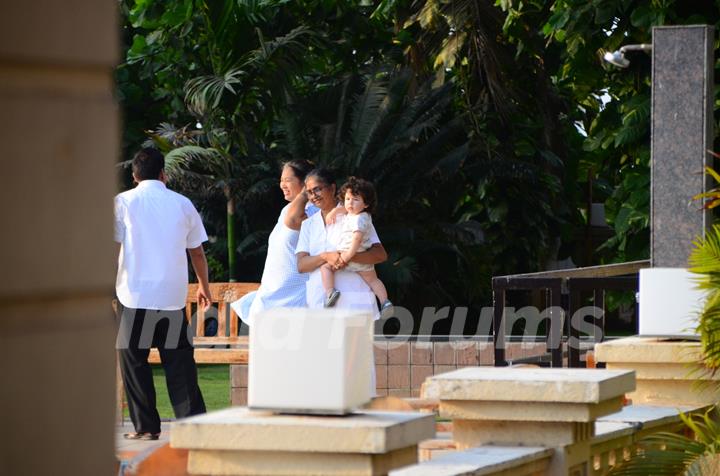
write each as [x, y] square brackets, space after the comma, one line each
[310, 360]
[669, 302]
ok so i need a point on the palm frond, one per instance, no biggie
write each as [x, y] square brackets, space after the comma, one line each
[663, 454]
[279, 60]
[705, 263]
[204, 93]
[368, 113]
[189, 158]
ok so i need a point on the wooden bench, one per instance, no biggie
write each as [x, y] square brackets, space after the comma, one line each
[227, 346]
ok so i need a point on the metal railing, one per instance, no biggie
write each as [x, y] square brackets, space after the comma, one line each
[563, 292]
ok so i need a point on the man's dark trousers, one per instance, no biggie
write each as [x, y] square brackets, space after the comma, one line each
[141, 329]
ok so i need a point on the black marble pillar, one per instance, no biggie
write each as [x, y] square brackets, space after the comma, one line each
[682, 132]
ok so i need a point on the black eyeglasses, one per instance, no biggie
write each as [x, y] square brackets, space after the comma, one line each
[315, 191]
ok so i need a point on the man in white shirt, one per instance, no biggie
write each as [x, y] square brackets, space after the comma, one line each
[155, 226]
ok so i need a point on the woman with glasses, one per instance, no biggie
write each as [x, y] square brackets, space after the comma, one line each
[318, 245]
[281, 284]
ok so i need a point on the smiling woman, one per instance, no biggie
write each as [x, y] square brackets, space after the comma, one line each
[318, 244]
[281, 284]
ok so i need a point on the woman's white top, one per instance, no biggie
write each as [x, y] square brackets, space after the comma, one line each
[281, 284]
[316, 238]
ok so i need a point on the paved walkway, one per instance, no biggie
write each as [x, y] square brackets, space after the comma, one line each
[126, 449]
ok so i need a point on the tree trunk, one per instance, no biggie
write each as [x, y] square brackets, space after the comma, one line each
[231, 239]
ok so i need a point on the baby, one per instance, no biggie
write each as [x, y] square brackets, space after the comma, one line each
[359, 200]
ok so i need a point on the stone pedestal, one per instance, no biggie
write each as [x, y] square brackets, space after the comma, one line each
[667, 370]
[553, 408]
[238, 441]
[681, 123]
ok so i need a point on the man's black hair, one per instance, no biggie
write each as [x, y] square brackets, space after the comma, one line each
[148, 163]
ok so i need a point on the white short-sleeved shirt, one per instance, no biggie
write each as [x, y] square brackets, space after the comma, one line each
[155, 227]
[352, 223]
[316, 238]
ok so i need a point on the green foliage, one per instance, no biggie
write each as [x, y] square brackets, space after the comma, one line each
[705, 261]
[576, 34]
[520, 159]
[671, 454]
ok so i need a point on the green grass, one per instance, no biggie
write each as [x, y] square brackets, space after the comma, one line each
[214, 381]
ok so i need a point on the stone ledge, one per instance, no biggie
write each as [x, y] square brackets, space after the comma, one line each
[530, 385]
[238, 428]
[234, 463]
[528, 411]
[485, 460]
[648, 350]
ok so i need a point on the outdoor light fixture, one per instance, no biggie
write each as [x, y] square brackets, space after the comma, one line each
[618, 59]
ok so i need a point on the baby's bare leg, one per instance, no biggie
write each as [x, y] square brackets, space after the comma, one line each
[327, 273]
[377, 286]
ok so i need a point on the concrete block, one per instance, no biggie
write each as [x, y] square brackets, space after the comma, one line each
[528, 411]
[648, 350]
[310, 360]
[669, 300]
[270, 463]
[530, 384]
[470, 433]
[240, 429]
[673, 392]
[667, 370]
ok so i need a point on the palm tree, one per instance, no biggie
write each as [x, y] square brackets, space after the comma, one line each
[249, 82]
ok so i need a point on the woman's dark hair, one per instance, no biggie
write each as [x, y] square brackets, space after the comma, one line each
[363, 188]
[148, 163]
[299, 167]
[322, 174]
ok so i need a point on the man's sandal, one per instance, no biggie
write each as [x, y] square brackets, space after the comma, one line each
[141, 436]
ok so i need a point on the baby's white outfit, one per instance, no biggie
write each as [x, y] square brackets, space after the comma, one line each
[352, 223]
